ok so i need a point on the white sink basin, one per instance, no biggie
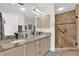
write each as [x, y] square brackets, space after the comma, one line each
[12, 43]
[7, 45]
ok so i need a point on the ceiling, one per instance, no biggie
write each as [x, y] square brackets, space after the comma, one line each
[66, 6]
[15, 8]
[44, 7]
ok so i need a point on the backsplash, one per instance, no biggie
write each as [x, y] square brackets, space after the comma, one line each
[10, 37]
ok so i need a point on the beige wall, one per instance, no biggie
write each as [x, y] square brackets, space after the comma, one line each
[51, 29]
[12, 22]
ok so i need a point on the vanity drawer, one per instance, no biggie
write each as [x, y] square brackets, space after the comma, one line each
[38, 48]
[38, 42]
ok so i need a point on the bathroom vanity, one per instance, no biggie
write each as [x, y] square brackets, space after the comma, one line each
[35, 45]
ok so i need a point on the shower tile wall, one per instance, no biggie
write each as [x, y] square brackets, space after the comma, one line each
[66, 30]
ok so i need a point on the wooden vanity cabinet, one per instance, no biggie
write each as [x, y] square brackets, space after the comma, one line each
[49, 42]
[35, 48]
[30, 49]
[46, 45]
[17, 51]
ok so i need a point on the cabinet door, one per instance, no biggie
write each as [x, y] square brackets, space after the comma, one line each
[17, 51]
[48, 43]
[38, 48]
[30, 49]
[1, 54]
[45, 45]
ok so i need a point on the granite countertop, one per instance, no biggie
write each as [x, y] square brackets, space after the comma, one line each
[6, 44]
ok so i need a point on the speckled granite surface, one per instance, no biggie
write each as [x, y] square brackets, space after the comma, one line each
[8, 45]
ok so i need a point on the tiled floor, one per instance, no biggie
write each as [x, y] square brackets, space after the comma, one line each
[68, 51]
[50, 53]
[64, 52]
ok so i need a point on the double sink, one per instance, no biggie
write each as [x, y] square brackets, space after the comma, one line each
[10, 44]
[6, 44]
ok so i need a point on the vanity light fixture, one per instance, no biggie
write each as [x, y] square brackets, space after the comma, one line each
[40, 12]
[60, 9]
[23, 9]
[37, 12]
